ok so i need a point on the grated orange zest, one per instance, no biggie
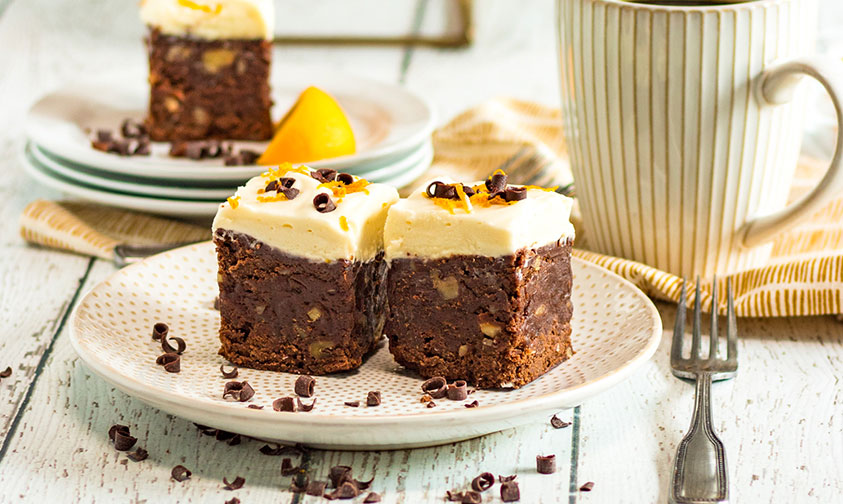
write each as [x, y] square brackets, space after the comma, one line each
[343, 223]
[204, 8]
[234, 201]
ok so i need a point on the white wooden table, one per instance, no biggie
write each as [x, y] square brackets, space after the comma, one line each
[780, 419]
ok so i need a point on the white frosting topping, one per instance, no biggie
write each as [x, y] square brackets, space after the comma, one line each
[418, 227]
[353, 231]
[211, 19]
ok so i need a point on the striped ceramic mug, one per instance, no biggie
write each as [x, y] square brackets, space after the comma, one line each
[684, 129]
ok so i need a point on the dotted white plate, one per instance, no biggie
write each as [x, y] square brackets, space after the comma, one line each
[616, 328]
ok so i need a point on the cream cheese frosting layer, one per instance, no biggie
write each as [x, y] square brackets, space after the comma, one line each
[211, 19]
[418, 227]
[353, 231]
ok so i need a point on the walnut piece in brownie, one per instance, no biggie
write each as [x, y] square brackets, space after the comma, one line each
[480, 281]
[302, 287]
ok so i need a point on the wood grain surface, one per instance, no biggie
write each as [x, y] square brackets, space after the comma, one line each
[780, 418]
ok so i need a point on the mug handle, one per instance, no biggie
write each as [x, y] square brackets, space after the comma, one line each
[776, 87]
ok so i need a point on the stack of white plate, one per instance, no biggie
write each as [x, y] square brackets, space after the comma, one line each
[392, 128]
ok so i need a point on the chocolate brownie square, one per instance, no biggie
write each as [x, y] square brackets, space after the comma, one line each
[302, 271]
[479, 282]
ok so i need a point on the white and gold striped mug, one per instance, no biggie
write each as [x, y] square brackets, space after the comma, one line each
[684, 129]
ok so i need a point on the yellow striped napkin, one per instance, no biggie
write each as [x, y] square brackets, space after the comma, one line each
[804, 275]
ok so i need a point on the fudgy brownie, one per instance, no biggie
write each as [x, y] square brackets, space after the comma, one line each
[302, 271]
[209, 69]
[479, 281]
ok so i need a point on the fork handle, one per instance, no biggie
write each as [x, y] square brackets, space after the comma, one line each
[699, 471]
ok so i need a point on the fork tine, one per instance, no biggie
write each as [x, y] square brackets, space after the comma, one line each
[679, 325]
[712, 342]
[695, 341]
[732, 332]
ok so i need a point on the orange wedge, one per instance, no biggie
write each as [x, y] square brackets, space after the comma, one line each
[315, 128]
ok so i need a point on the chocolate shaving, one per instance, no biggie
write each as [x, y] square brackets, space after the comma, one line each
[373, 398]
[442, 190]
[287, 182]
[121, 437]
[458, 391]
[504, 479]
[254, 406]
[240, 391]
[472, 404]
[237, 484]
[217, 303]
[557, 423]
[471, 497]
[587, 487]
[304, 386]
[338, 475]
[221, 435]
[323, 203]
[483, 482]
[510, 492]
[204, 429]
[6, 372]
[453, 496]
[160, 330]
[431, 404]
[243, 157]
[345, 178]
[316, 488]
[180, 344]
[170, 361]
[468, 190]
[352, 404]
[305, 407]
[271, 186]
[284, 404]
[132, 129]
[324, 175]
[142, 148]
[233, 500]
[372, 498]
[138, 455]
[515, 194]
[289, 192]
[229, 374]
[546, 464]
[435, 387]
[347, 490]
[496, 183]
[180, 473]
[364, 485]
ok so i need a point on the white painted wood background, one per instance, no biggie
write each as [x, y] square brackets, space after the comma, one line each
[780, 419]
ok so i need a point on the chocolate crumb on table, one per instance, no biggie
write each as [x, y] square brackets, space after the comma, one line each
[587, 486]
[510, 491]
[180, 473]
[546, 464]
[121, 437]
[372, 498]
[471, 497]
[316, 488]
[138, 455]
[483, 482]
[233, 500]
[6, 372]
[237, 484]
[479, 288]
[558, 423]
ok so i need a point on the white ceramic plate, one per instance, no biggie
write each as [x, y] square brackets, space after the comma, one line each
[114, 182]
[162, 206]
[615, 330]
[387, 120]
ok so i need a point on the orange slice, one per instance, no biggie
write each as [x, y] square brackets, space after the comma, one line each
[315, 128]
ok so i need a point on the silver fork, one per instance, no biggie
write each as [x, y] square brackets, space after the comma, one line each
[699, 470]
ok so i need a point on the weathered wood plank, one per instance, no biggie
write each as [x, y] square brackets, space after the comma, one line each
[779, 419]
